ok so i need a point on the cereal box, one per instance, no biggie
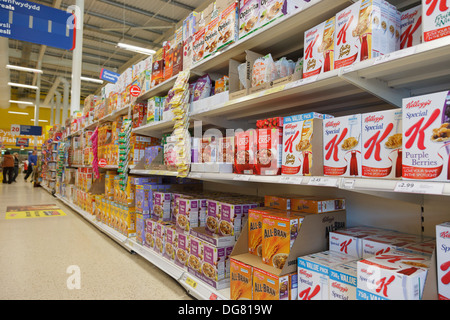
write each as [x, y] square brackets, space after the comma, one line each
[319, 49]
[181, 249]
[426, 136]
[213, 264]
[270, 11]
[187, 216]
[229, 218]
[278, 201]
[314, 274]
[161, 206]
[347, 43]
[302, 150]
[436, 22]
[249, 11]
[269, 151]
[198, 45]
[314, 204]
[212, 216]
[381, 144]
[241, 280]
[229, 25]
[411, 27]
[194, 263]
[245, 152]
[342, 143]
[279, 231]
[170, 242]
[268, 286]
[347, 241]
[443, 260]
[342, 282]
[149, 236]
[225, 150]
[212, 35]
[254, 225]
[392, 276]
[387, 241]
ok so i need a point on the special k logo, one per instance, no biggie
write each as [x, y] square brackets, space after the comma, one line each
[373, 144]
[342, 34]
[417, 131]
[445, 235]
[433, 4]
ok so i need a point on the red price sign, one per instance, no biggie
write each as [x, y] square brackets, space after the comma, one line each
[135, 91]
[102, 163]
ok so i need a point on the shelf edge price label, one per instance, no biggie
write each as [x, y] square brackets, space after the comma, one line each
[242, 177]
[419, 187]
[189, 281]
[290, 180]
[349, 184]
[322, 181]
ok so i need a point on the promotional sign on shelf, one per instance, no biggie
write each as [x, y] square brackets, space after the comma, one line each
[102, 163]
[109, 76]
[22, 142]
[36, 23]
[135, 91]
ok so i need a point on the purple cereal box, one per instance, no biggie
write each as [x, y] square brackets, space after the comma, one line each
[182, 249]
[212, 217]
[149, 235]
[161, 206]
[170, 242]
[187, 216]
[195, 256]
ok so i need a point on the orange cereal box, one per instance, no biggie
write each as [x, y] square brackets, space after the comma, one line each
[241, 277]
[268, 286]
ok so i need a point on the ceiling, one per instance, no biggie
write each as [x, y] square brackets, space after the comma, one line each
[106, 22]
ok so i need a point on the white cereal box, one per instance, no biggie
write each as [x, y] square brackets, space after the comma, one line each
[411, 27]
[426, 137]
[342, 146]
[346, 44]
[319, 49]
[249, 11]
[314, 274]
[382, 144]
[392, 276]
[436, 19]
[348, 241]
[443, 260]
[302, 150]
[342, 283]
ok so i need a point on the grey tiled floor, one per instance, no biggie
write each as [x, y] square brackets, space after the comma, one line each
[36, 255]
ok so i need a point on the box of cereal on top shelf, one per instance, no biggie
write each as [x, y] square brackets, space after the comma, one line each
[346, 43]
[342, 143]
[411, 27]
[249, 11]
[381, 144]
[436, 19]
[426, 137]
[443, 260]
[302, 152]
[319, 49]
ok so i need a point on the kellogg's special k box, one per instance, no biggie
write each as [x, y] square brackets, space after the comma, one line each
[436, 19]
[443, 260]
[426, 135]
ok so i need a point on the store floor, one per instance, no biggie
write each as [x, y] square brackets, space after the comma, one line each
[46, 258]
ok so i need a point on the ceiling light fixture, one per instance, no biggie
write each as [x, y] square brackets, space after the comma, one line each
[91, 80]
[15, 112]
[22, 85]
[21, 102]
[129, 47]
[19, 68]
[39, 120]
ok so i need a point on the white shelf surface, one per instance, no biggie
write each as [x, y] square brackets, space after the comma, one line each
[195, 287]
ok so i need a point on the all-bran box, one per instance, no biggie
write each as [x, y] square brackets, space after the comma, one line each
[302, 145]
[382, 144]
[443, 260]
[342, 143]
[392, 276]
[319, 49]
[279, 231]
[241, 280]
[269, 151]
[436, 19]
[268, 286]
[255, 233]
[249, 11]
[346, 42]
[426, 135]
[342, 283]
[411, 27]
[314, 274]
[245, 152]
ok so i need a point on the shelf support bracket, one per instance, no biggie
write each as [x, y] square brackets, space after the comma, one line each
[376, 87]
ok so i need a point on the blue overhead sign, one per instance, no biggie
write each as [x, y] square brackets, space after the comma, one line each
[30, 130]
[109, 76]
[32, 22]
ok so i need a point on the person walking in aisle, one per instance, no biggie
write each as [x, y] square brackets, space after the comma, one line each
[16, 166]
[8, 167]
[32, 161]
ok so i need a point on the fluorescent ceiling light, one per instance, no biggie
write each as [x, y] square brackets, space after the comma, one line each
[40, 120]
[21, 102]
[91, 80]
[22, 85]
[23, 69]
[15, 112]
[129, 47]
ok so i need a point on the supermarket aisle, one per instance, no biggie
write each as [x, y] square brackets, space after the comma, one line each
[35, 254]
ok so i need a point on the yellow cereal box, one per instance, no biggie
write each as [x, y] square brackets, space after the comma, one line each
[267, 286]
[241, 280]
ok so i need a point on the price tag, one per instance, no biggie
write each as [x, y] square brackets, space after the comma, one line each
[323, 181]
[15, 129]
[274, 89]
[395, 55]
[195, 175]
[242, 177]
[349, 183]
[189, 281]
[290, 180]
[419, 187]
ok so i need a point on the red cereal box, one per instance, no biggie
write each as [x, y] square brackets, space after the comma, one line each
[268, 157]
[245, 151]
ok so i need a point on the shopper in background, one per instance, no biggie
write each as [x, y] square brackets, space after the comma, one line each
[16, 166]
[32, 161]
[8, 167]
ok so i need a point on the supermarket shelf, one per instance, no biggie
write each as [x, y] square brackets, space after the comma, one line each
[154, 172]
[161, 88]
[350, 184]
[155, 129]
[195, 287]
